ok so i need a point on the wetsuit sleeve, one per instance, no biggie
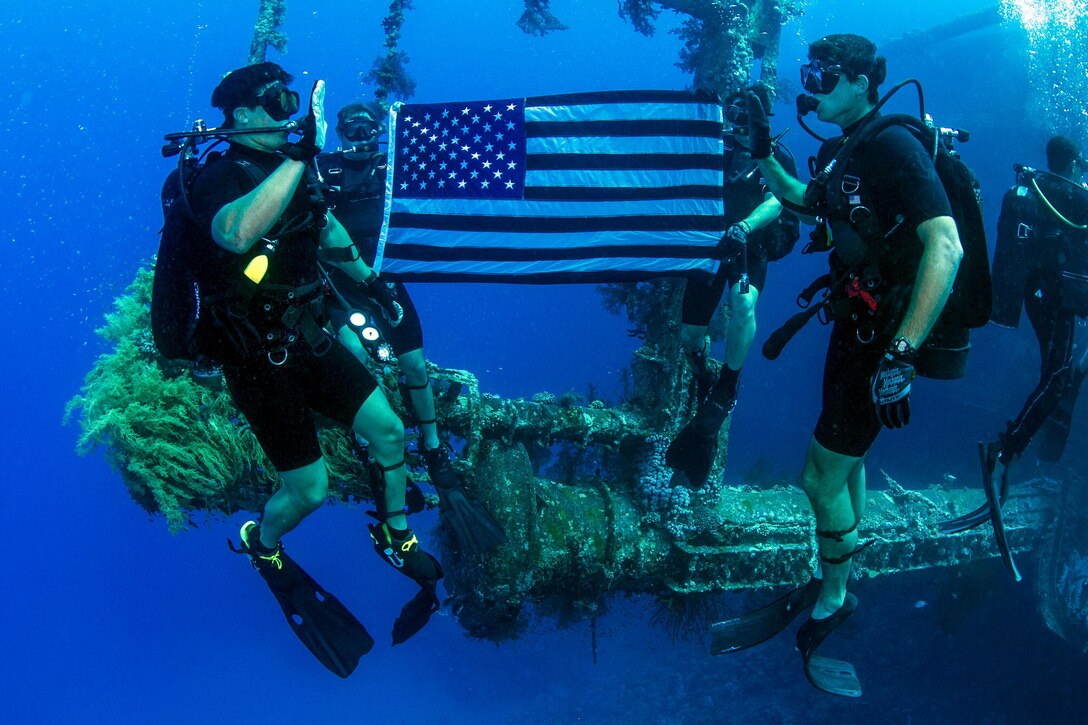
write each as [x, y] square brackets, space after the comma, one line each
[903, 171]
[1011, 263]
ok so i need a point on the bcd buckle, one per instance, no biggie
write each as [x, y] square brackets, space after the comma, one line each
[854, 290]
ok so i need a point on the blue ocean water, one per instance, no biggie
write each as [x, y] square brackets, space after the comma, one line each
[110, 619]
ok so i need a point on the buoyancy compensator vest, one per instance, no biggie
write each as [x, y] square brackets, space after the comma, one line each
[194, 316]
[177, 304]
[863, 247]
[1042, 245]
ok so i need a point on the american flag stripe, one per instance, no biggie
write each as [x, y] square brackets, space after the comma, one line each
[424, 252]
[615, 183]
[415, 242]
[427, 209]
[621, 179]
[565, 271]
[619, 162]
[619, 129]
[609, 193]
[614, 145]
[557, 225]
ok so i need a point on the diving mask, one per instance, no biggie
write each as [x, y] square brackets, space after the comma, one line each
[736, 117]
[278, 101]
[359, 129]
[816, 77]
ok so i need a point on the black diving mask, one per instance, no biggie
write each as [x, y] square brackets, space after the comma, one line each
[359, 129]
[818, 78]
[278, 101]
[736, 118]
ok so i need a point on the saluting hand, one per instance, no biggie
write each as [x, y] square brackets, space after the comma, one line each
[313, 128]
[759, 128]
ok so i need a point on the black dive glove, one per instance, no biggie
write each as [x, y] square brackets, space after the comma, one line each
[890, 385]
[759, 128]
[734, 242]
[313, 128]
[386, 297]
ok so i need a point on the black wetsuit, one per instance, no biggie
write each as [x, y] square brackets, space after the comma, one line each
[743, 190]
[1041, 265]
[895, 176]
[354, 186]
[277, 361]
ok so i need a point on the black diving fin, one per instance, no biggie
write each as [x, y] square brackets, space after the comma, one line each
[758, 626]
[474, 528]
[415, 614]
[967, 521]
[835, 677]
[325, 626]
[693, 450]
[408, 558]
[995, 499]
[691, 453]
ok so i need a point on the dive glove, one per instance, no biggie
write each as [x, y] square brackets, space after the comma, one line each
[759, 128]
[734, 242]
[385, 296]
[890, 385]
[313, 128]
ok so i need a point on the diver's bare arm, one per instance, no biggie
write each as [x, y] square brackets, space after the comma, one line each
[781, 183]
[764, 214]
[936, 273]
[335, 236]
[241, 224]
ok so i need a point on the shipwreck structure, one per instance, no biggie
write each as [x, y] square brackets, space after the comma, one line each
[580, 487]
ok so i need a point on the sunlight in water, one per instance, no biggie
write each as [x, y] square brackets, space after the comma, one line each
[1057, 33]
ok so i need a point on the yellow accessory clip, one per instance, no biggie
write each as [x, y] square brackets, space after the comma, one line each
[257, 268]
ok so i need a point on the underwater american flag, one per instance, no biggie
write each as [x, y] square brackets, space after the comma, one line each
[590, 187]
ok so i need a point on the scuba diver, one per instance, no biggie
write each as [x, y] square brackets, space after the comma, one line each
[883, 212]
[758, 231]
[261, 229]
[353, 182]
[1041, 266]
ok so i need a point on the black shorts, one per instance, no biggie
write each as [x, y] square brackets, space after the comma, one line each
[277, 400]
[847, 422]
[701, 299]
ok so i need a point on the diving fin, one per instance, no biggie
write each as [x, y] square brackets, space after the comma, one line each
[473, 526]
[415, 614]
[692, 451]
[995, 496]
[758, 626]
[408, 557]
[325, 626]
[834, 677]
[966, 521]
